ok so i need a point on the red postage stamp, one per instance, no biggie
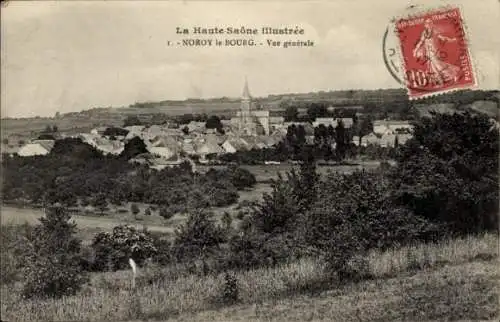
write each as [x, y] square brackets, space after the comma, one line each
[435, 53]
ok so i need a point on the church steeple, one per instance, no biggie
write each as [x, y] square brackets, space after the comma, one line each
[246, 91]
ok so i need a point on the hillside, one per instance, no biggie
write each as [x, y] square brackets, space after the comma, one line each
[454, 280]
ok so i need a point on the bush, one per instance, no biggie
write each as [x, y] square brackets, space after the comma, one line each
[230, 293]
[168, 212]
[52, 259]
[448, 172]
[147, 212]
[12, 248]
[355, 213]
[242, 178]
[227, 220]
[251, 249]
[199, 237]
[113, 250]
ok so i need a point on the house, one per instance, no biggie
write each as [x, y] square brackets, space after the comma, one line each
[99, 130]
[217, 139]
[143, 158]
[387, 140]
[133, 131]
[207, 148]
[162, 151]
[326, 121]
[188, 147]
[381, 129]
[108, 146]
[233, 145]
[37, 147]
[371, 138]
[194, 126]
[164, 146]
[403, 138]
[347, 121]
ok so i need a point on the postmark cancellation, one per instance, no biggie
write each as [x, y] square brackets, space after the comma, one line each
[434, 52]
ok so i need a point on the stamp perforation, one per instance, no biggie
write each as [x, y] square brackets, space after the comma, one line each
[416, 12]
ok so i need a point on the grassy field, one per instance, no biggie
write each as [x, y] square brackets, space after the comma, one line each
[454, 280]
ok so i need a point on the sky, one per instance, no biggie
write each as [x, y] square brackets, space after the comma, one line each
[71, 56]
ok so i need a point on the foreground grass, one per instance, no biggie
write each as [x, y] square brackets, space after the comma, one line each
[452, 280]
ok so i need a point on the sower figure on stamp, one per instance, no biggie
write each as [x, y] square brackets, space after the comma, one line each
[427, 49]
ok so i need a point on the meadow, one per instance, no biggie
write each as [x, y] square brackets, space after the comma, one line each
[454, 279]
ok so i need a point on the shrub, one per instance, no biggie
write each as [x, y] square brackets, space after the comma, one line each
[227, 220]
[12, 248]
[277, 213]
[147, 212]
[448, 172]
[251, 249]
[242, 178]
[52, 259]
[168, 212]
[355, 213]
[198, 237]
[164, 249]
[230, 293]
[113, 250]
[99, 202]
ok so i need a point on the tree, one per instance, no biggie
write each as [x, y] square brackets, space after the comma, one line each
[52, 259]
[242, 178]
[291, 113]
[115, 131]
[227, 220]
[448, 172]
[48, 129]
[316, 110]
[113, 250]
[341, 142]
[185, 130]
[354, 213]
[363, 128]
[133, 148]
[45, 136]
[5, 141]
[147, 212]
[132, 120]
[99, 202]
[198, 237]
[277, 212]
[213, 122]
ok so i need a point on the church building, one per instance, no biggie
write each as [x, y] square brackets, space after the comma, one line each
[248, 120]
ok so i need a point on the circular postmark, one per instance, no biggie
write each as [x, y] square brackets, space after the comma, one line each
[425, 50]
[390, 54]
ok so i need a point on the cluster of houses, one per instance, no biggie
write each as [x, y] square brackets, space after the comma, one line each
[386, 134]
[249, 129]
[172, 144]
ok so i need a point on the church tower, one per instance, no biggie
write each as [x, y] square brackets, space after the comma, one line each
[246, 123]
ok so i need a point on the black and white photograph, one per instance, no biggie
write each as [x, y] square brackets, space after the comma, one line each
[249, 160]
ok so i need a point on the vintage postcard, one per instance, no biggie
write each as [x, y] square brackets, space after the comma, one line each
[249, 160]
